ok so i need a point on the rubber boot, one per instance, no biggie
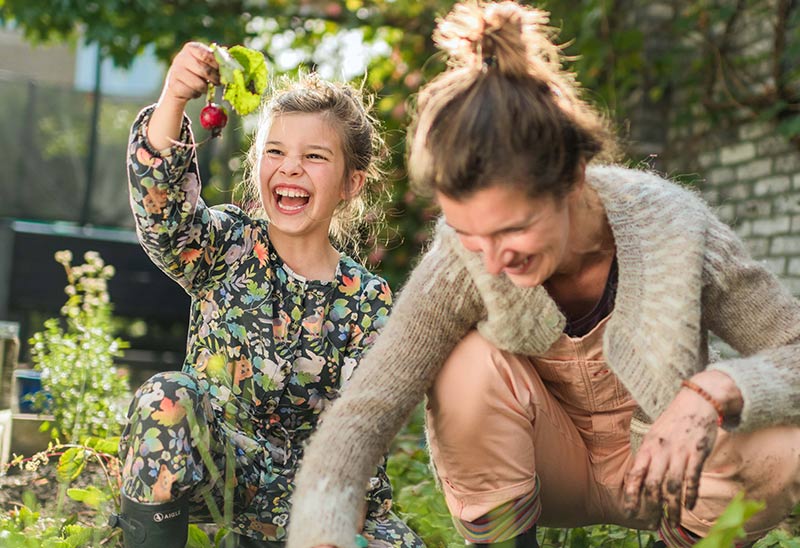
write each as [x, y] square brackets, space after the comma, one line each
[525, 540]
[161, 524]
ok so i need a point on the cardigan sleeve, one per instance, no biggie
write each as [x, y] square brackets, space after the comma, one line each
[435, 309]
[746, 306]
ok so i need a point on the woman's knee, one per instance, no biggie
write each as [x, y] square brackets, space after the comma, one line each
[478, 381]
[461, 388]
[764, 464]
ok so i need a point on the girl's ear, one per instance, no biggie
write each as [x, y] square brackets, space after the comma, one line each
[356, 179]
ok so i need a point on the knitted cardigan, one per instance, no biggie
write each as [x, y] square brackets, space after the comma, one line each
[682, 273]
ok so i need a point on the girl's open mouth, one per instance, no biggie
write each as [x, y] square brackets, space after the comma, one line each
[291, 200]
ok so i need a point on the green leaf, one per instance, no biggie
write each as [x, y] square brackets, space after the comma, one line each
[228, 65]
[243, 72]
[730, 525]
[109, 446]
[78, 535]
[70, 464]
[91, 496]
[198, 538]
[790, 127]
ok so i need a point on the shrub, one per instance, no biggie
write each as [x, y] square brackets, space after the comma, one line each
[82, 388]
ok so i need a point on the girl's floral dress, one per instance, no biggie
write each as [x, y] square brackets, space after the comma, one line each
[267, 352]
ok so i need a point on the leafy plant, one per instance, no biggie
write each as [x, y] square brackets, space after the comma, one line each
[28, 526]
[82, 388]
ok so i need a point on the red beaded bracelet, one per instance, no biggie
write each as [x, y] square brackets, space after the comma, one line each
[708, 397]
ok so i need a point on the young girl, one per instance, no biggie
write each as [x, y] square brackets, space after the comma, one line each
[279, 318]
[559, 325]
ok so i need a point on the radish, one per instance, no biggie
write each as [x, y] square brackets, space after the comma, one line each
[213, 117]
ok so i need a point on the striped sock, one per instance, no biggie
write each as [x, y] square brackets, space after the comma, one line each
[680, 537]
[676, 537]
[505, 522]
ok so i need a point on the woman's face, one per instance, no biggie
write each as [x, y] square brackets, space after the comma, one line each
[524, 238]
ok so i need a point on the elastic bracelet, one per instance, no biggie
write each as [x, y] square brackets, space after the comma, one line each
[708, 397]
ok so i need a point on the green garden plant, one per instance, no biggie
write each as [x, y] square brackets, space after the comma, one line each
[82, 388]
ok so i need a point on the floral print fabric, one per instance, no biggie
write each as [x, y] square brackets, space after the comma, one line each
[267, 352]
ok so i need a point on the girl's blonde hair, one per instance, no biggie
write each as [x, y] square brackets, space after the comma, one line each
[348, 111]
[504, 111]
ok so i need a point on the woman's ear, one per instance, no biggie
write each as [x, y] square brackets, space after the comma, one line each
[356, 181]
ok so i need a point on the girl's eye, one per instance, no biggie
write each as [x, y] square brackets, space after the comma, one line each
[274, 151]
[315, 156]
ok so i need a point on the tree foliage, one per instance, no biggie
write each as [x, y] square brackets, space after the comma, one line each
[685, 55]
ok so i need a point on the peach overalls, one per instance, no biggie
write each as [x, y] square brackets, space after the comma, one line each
[498, 420]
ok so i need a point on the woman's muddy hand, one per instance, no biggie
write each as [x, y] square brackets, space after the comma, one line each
[670, 459]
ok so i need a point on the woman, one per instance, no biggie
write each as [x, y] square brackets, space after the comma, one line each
[559, 325]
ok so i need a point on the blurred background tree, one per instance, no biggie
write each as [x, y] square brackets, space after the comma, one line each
[631, 54]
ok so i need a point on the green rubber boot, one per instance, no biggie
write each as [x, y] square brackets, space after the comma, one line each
[161, 524]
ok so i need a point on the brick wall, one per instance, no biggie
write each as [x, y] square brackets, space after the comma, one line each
[743, 166]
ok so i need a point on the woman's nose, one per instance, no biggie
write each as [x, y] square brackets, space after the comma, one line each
[495, 258]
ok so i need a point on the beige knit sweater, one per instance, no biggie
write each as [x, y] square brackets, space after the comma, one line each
[682, 272]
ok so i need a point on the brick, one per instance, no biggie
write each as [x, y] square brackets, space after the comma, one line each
[772, 226]
[776, 265]
[711, 195]
[785, 245]
[755, 169]
[736, 154]
[748, 132]
[707, 159]
[721, 175]
[770, 145]
[788, 162]
[796, 223]
[788, 203]
[793, 269]
[792, 284]
[740, 191]
[754, 208]
[796, 182]
[657, 10]
[772, 185]
[743, 229]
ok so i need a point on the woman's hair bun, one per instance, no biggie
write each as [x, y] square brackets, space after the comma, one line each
[504, 36]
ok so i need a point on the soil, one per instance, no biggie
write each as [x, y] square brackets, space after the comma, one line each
[19, 487]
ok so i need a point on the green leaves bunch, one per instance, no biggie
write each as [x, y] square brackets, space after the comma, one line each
[243, 72]
[82, 388]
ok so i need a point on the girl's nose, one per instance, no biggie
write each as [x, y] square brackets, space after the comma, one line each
[291, 165]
